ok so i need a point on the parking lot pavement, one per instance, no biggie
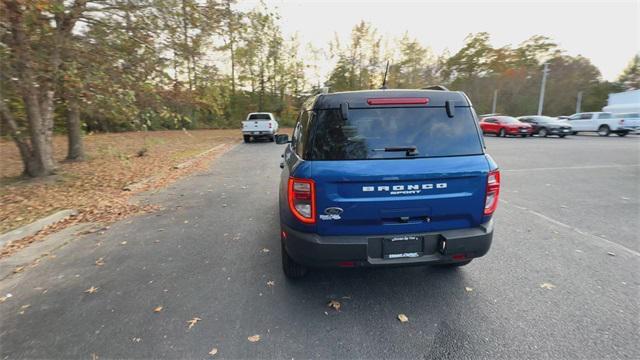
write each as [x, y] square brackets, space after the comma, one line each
[561, 280]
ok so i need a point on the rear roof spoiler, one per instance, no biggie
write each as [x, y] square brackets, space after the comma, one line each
[435, 87]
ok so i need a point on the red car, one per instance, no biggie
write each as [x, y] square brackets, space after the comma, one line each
[505, 125]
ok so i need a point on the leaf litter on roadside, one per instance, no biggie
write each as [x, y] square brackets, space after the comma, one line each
[157, 309]
[191, 323]
[91, 290]
[254, 338]
[334, 304]
[213, 351]
[547, 286]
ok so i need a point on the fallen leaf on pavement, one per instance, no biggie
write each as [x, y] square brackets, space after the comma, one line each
[334, 304]
[193, 322]
[25, 306]
[123, 243]
[609, 253]
[4, 298]
[18, 269]
[91, 290]
[254, 338]
[469, 289]
[403, 318]
[100, 261]
[157, 309]
[265, 250]
[547, 286]
[213, 351]
[270, 283]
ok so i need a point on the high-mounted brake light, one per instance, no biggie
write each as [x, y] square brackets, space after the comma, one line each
[398, 101]
[493, 192]
[302, 199]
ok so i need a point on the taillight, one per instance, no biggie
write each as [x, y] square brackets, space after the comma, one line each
[269, 125]
[302, 199]
[621, 122]
[493, 191]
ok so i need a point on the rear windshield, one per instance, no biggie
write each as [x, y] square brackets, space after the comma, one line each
[372, 133]
[259, 117]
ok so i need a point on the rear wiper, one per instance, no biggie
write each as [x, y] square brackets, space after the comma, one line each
[409, 150]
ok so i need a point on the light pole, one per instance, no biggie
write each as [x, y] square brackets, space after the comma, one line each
[542, 87]
[579, 102]
[495, 100]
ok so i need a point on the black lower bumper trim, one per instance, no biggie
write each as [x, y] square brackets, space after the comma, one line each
[437, 247]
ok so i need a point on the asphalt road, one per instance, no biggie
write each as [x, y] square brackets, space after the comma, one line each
[566, 204]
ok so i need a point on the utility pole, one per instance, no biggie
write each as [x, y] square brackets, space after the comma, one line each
[542, 87]
[495, 101]
[579, 102]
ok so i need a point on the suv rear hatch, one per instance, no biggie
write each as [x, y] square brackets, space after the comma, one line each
[397, 170]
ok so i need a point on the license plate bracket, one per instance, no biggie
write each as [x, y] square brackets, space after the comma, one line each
[402, 247]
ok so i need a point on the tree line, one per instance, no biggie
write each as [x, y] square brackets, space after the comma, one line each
[78, 66]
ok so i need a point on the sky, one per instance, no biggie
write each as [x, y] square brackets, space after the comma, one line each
[606, 32]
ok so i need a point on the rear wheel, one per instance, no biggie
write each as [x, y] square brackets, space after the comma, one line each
[247, 138]
[502, 133]
[621, 134]
[454, 265]
[523, 135]
[543, 132]
[574, 133]
[272, 138]
[292, 269]
[604, 130]
[562, 136]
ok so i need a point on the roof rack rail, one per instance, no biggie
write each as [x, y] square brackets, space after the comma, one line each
[435, 87]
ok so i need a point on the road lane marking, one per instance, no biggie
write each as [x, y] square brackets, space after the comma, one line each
[575, 229]
[571, 168]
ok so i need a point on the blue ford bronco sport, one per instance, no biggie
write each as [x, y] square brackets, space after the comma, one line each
[386, 177]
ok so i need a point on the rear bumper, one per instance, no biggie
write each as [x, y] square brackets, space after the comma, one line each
[257, 133]
[438, 248]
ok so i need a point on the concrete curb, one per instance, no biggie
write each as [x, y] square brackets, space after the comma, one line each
[140, 184]
[192, 160]
[35, 226]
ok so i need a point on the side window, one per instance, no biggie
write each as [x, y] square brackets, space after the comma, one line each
[296, 132]
[575, 117]
[586, 116]
[604, 116]
[490, 120]
[303, 133]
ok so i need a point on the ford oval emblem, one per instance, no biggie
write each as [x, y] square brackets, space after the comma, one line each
[333, 211]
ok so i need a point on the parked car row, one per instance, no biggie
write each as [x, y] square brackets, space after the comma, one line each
[602, 123]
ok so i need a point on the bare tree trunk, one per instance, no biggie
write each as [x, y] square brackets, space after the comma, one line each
[75, 151]
[30, 164]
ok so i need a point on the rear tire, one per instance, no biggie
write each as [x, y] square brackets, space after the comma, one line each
[524, 135]
[574, 133]
[502, 133]
[543, 132]
[604, 130]
[247, 138]
[562, 136]
[622, 134]
[454, 265]
[272, 138]
[292, 269]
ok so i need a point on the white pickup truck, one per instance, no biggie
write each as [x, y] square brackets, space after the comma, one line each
[604, 123]
[630, 121]
[259, 125]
